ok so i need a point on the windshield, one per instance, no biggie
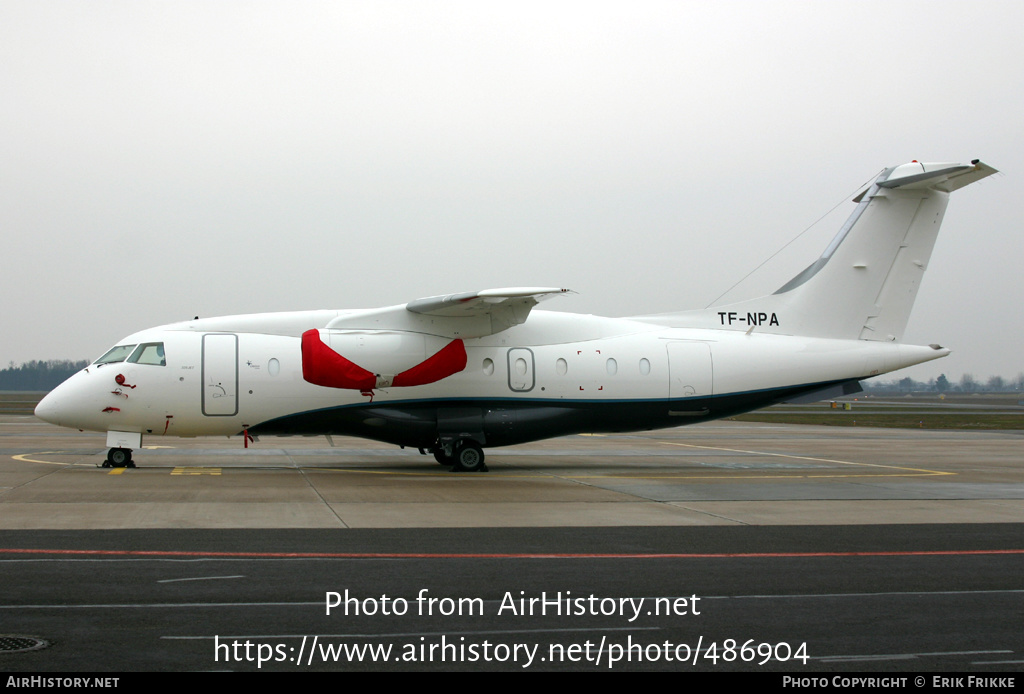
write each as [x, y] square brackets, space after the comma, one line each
[150, 353]
[119, 353]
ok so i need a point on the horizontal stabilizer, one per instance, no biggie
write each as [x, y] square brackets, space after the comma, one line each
[944, 177]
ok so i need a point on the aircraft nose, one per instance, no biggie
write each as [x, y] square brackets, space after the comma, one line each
[71, 403]
[62, 405]
[48, 409]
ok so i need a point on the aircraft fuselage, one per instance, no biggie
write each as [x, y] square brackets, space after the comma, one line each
[557, 374]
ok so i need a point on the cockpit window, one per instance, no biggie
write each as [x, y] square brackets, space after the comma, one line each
[116, 354]
[149, 353]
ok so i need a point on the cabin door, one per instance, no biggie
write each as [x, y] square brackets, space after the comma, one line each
[220, 375]
[690, 372]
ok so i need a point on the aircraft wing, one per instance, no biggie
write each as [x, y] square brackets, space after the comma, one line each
[518, 300]
[468, 315]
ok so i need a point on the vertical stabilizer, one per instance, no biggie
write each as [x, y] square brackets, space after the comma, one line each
[864, 285]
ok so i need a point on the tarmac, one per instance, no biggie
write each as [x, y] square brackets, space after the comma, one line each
[721, 473]
[718, 547]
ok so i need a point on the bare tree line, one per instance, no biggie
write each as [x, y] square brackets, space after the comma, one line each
[967, 384]
[39, 375]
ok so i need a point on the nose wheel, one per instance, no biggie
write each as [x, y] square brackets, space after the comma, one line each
[119, 457]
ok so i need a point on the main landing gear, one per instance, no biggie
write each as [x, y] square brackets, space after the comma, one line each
[464, 455]
[119, 457]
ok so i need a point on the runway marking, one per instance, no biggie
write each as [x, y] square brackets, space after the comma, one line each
[23, 457]
[883, 594]
[319, 603]
[898, 656]
[898, 471]
[458, 475]
[997, 662]
[409, 633]
[905, 472]
[117, 471]
[199, 578]
[186, 470]
[913, 472]
[435, 473]
[509, 555]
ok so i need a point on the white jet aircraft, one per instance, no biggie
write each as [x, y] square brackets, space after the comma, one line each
[454, 374]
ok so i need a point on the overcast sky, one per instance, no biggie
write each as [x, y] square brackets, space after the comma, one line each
[161, 160]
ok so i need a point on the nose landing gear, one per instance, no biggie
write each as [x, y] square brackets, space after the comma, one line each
[119, 457]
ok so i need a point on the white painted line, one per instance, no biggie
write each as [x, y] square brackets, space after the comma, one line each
[406, 634]
[898, 656]
[320, 603]
[199, 578]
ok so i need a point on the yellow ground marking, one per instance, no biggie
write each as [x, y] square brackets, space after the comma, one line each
[903, 471]
[739, 477]
[24, 458]
[435, 473]
[898, 471]
[117, 471]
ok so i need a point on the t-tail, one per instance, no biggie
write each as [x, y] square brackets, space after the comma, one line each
[864, 285]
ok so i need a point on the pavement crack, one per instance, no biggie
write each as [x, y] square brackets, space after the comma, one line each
[316, 491]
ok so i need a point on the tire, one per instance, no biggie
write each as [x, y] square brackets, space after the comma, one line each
[443, 459]
[469, 457]
[119, 457]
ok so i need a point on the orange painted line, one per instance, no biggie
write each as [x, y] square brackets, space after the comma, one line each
[502, 555]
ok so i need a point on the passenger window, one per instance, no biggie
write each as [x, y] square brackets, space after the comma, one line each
[151, 353]
[115, 355]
